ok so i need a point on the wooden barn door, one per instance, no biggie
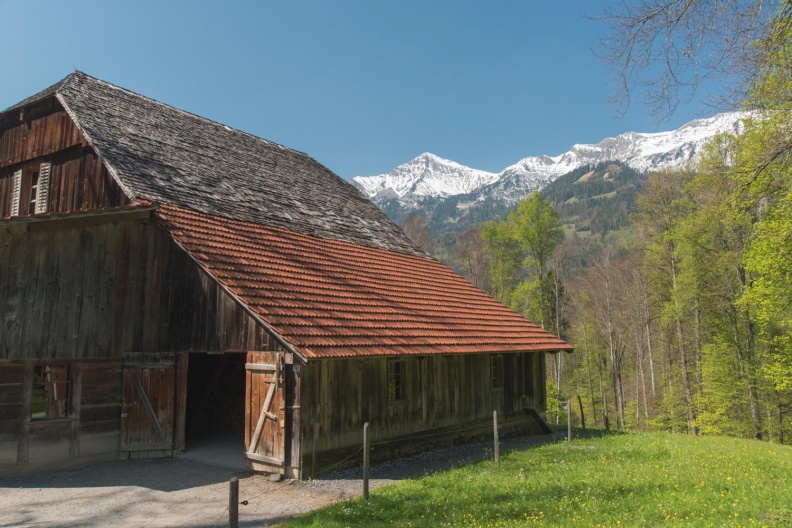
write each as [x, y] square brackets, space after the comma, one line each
[265, 416]
[148, 406]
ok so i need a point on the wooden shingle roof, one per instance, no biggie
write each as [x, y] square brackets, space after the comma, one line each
[166, 155]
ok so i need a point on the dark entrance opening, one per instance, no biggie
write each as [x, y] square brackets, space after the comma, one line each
[215, 413]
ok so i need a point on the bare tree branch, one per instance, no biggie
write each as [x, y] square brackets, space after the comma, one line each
[662, 50]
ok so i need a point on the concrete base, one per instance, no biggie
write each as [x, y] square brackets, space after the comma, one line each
[216, 448]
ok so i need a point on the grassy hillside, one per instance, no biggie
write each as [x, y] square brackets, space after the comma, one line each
[654, 479]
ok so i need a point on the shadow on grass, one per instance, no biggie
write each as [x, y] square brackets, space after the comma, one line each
[436, 460]
[579, 432]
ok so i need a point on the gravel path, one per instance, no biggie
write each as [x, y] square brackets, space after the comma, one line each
[178, 492]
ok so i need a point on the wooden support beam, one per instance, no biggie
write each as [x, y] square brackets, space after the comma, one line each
[261, 367]
[264, 415]
[265, 459]
[147, 406]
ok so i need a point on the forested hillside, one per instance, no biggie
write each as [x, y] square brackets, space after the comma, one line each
[686, 326]
[678, 306]
[595, 205]
[594, 200]
[675, 287]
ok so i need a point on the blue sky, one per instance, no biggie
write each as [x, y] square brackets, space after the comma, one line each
[361, 86]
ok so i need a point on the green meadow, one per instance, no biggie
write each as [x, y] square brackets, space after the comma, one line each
[653, 479]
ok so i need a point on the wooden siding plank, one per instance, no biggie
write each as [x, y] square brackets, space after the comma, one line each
[181, 399]
[76, 402]
[24, 428]
[293, 402]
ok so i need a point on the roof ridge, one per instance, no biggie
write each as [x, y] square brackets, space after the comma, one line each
[56, 88]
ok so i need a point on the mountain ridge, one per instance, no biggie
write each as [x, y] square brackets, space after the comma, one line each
[425, 175]
[430, 177]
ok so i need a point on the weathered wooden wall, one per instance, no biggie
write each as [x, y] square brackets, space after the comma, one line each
[89, 433]
[12, 387]
[103, 287]
[90, 292]
[44, 132]
[38, 130]
[451, 394]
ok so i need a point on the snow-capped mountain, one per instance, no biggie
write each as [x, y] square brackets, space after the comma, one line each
[426, 175]
[429, 176]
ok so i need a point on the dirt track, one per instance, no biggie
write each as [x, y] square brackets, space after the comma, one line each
[178, 492]
[160, 492]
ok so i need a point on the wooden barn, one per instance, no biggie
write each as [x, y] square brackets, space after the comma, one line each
[162, 275]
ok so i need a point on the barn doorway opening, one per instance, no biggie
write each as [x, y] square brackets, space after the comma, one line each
[215, 409]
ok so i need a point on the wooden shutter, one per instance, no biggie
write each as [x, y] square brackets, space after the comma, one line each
[17, 193]
[42, 199]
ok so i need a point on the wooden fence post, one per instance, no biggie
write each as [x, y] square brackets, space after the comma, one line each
[300, 459]
[313, 449]
[569, 421]
[233, 503]
[496, 450]
[366, 460]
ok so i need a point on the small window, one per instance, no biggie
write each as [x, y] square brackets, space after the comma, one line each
[396, 380]
[34, 184]
[50, 392]
[30, 192]
[496, 369]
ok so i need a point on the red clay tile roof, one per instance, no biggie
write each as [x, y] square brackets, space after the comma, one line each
[330, 298]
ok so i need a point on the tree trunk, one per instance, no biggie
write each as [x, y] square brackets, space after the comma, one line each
[697, 349]
[588, 371]
[639, 355]
[558, 371]
[681, 345]
[615, 376]
[779, 417]
[649, 343]
[602, 395]
[685, 379]
[615, 363]
[753, 396]
[669, 389]
[557, 295]
[697, 354]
